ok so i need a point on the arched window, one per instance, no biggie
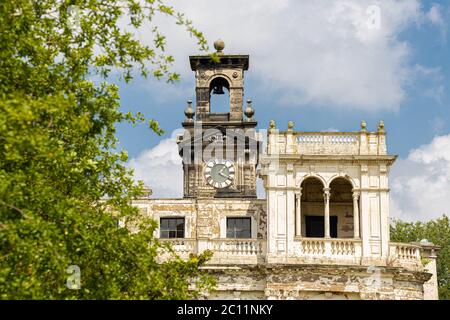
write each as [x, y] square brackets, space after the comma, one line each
[341, 206]
[219, 99]
[312, 209]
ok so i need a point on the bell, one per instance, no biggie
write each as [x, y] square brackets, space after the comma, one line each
[218, 90]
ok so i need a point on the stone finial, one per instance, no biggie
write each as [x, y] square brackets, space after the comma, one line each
[146, 192]
[381, 126]
[272, 125]
[290, 125]
[219, 45]
[249, 111]
[363, 126]
[189, 112]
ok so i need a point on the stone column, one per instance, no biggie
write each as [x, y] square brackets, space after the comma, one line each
[298, 213]
[326, 197]
[356, 215]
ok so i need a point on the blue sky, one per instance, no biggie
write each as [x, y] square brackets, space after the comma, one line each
[319, 64]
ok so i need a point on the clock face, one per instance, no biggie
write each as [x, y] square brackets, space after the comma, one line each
[219, 173]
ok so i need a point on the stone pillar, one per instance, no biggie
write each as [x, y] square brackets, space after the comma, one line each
[429, 253]
[326, 197]
[236, 99]
[290, 209]
[298, 213]
[202, 245]
[363, 143]
[290, 141]
[272, 139]
[382, 150]
[202, 98]
[356, 215]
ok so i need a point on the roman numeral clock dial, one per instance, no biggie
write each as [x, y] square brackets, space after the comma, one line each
[219, 173]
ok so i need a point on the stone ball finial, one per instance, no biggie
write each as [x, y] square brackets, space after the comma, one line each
[219, 45]
[249, 111]
[146, 192]
[189, 112]
[363, 125]
[290, 125]
[272, 124]
[381, 126]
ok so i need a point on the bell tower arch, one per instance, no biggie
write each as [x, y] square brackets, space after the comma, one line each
[212, 77]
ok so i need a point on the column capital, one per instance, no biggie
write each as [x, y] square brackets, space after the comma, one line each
[356, 195]
[298, 192]
[326, 195]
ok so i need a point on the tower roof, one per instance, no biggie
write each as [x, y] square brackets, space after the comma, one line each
[225, 60]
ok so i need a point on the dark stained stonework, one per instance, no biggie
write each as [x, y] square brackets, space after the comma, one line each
[317, 281]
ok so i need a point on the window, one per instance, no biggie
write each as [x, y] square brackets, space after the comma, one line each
[171, 228]
[239, 228]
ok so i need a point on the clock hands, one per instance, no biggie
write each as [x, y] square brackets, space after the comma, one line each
[222, 174]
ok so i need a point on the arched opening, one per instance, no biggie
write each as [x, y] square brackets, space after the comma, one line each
[219, 96]
[312, 208]
[341, 207]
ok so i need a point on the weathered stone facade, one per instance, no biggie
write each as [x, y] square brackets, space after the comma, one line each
[319, 281]
[323, 230]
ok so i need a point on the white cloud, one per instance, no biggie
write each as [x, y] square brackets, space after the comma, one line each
[439, 16]
[310, 52]
[435, 15]
[160, 168]
[420, 184]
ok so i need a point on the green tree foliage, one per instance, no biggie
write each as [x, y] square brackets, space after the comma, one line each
[436, 231]
[58, 155]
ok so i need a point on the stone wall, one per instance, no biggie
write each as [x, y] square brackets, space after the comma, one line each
[206, 218]
[317, 282]
[253, 277]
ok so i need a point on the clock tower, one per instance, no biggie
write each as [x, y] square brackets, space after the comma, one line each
[219, 150]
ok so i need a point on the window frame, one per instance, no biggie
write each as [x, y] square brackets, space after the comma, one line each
[242, 229]
[172, 232]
